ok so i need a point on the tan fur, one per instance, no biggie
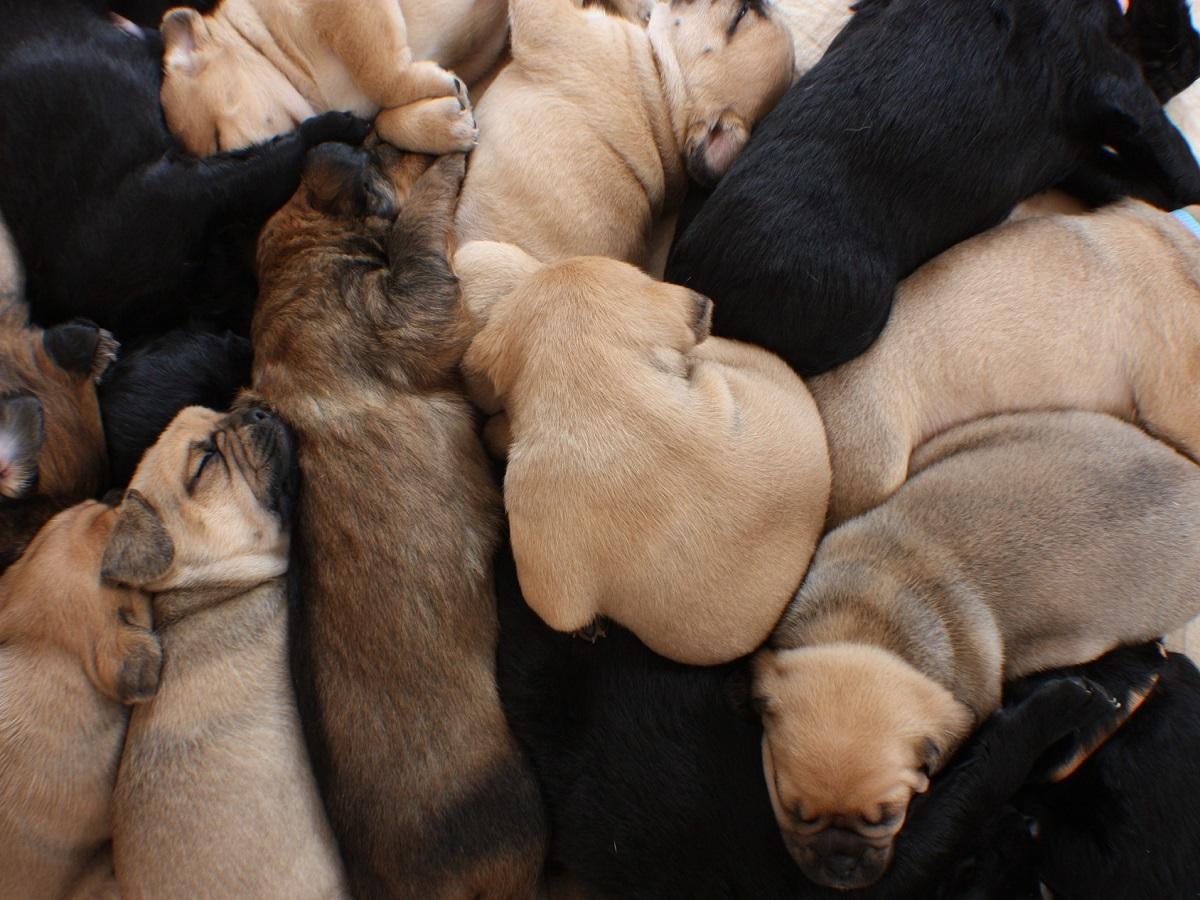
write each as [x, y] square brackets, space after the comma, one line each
[215, 796]
[1022, 542]
[73, 652]
[1097, 312]
[676, 487]
[585, 135]
[358, 335]
[253, 69]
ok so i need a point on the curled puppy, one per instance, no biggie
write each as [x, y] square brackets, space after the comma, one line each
[74, 652]
[690, 493]
[1022, 542]
[253, 69]
[925, 123]
[1108, 319]
[357, 340]
[587, 136]
[215, 795]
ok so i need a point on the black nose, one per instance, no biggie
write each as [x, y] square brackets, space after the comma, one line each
[255, 416]
[841, 865]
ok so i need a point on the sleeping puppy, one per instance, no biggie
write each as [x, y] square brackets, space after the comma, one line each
[652, 771]
[111, 221]
[51, 440]
[983, 330]
[1020, 543]
[149, 386]
[587, 136]
[74, 652]
[215, 796]
[714, 448]
[253, 69]
[925, 123]
[357, 340]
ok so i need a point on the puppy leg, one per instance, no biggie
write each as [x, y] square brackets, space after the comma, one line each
[425, 225]
[436, 126]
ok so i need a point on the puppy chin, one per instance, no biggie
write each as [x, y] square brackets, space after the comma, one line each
[839, 860]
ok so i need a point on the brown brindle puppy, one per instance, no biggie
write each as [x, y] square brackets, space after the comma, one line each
[357, 337]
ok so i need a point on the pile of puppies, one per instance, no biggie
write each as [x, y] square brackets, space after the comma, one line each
[834, 561]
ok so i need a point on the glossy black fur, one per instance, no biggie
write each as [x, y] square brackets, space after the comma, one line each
[652, 777]
[147, 386]
[924, 123]
[111, 220]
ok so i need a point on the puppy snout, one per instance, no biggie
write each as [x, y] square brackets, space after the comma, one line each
[255, 416]
[840, 859]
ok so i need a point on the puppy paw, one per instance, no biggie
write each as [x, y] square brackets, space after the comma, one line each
[343, 127]
[437, 127]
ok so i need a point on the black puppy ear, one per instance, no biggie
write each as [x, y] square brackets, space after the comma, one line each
[21, 435]
[81, 347]
[139, 548]
[340, 181]
[1160, 35]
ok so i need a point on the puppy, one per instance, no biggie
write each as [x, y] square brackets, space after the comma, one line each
[587, 136]
[74, 652]
[692, 492]
[215, 795]
[1020, 543]
[253, 69]
[983, 330]
[357, 340]
[652, 771]
[148, 387]
[924, 124]
[139, 238]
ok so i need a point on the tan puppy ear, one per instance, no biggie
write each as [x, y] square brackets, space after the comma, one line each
[711, 149]
[489, 270]
[951, 720]
[128, 663]
[139, 548]
[183, 30]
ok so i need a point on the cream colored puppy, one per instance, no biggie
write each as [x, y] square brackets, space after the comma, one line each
[1022, 542]
[1097, 312]
[252, 69]
[73, 653]
[674, 484]
[215, 796]
[587, 136]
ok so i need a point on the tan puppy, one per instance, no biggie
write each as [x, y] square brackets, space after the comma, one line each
[253, 69]
[73, 653]
[1098, 312]
[586, 134]
[1024, 542]
[674, 484]
[357, 339]
[215, 796]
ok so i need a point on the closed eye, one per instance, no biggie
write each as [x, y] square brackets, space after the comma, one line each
[210, 452]
[737, 19]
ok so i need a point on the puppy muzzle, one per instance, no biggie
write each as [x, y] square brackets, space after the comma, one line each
[271, 443]
[840, 859]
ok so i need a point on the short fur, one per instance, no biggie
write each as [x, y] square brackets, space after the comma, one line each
[111, 220]
[1098, 312]
[1021, 542]
[925, 123]
[692, 491]
[587, 136]
[253, 69]
[73, 653]
[150, 385]
[357, 339]
[653, 776]
[215, 796]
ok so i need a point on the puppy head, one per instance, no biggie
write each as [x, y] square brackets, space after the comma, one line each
[219, 93]
[850, 734]
[540, 317]
[735, 60]
[207, 506]
[53, 596]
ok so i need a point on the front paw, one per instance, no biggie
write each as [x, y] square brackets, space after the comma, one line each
[437, 127]
[1054, 712]
[343, 127]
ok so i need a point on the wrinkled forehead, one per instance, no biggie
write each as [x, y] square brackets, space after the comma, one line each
[169, 454]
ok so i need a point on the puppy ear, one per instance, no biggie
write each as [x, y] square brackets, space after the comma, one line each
[183, 30]
[489, 270]
[81, 347]
[21, 434]
[139, 548]
[341, 181]
[128, 663]
[711, 149]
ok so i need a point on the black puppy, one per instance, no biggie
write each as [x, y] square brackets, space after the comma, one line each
[924, 123]
[148, 386]
[653, 780]
[110, 219]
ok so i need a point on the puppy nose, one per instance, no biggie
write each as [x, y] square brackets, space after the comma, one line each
[255, 416]
[841, 865]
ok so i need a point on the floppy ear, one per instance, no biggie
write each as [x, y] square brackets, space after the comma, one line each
[81, 347]
[487, 271]
[139, 548]
[128, 663]
[183, 30]
[711, 149]
[21, 434]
